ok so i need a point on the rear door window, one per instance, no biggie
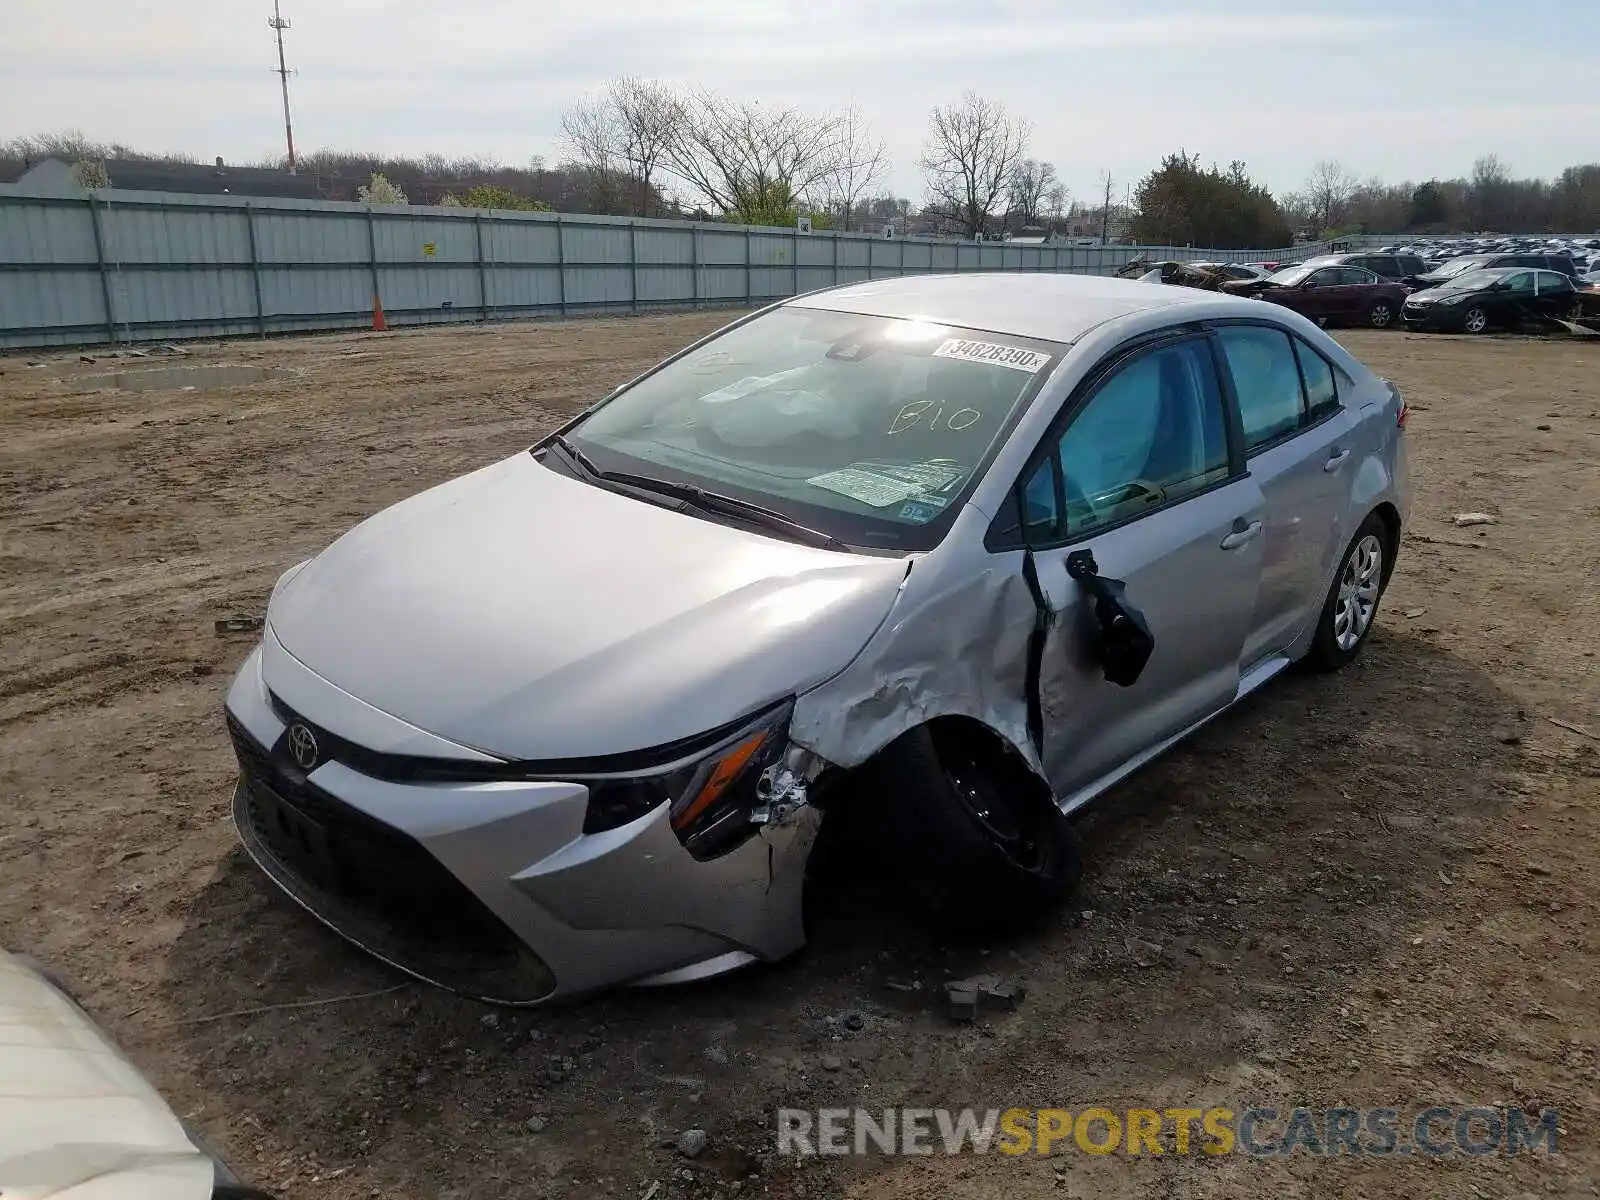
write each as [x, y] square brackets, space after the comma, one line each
[1322, 392]
[1266, 379]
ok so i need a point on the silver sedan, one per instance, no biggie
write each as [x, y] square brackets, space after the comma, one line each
[956, 552]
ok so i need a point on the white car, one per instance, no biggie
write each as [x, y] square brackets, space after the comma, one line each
[77, 1120]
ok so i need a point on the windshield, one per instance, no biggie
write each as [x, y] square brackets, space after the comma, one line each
[1474, 281]
[871, 429]
[1457, 266]
[1290, 276]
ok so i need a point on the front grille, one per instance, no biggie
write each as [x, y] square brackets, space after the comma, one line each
[376, 885]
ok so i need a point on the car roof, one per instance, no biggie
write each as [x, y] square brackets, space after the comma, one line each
[1055, 308]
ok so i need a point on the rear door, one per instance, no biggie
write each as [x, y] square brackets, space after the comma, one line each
[1145, 473]
[1298, 444]
[1358, 289]
[1554, 294]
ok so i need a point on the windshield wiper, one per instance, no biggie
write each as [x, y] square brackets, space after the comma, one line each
[562, 442]
[729, 506]
[700, 498]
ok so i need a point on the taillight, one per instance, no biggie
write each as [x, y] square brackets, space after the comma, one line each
[1401, 412]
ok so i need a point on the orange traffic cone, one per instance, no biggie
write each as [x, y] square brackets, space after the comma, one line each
[378, 323]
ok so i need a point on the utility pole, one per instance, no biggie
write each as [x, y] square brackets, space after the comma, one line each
[278, 23]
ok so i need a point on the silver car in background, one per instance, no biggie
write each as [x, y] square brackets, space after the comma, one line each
[963, 550]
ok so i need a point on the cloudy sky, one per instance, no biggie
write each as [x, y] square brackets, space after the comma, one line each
[1404, 90]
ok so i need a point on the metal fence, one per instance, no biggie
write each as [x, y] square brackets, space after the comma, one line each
[123, 266]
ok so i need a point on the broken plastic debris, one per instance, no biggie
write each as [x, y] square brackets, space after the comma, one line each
[966, 997]
[227, 625]
[1475, 518]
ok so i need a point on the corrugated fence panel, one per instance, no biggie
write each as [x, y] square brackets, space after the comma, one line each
[136, 265]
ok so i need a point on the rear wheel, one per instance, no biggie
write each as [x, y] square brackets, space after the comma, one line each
[1381, 314]
[978, 834]
[1475, 319]
[1351, 608]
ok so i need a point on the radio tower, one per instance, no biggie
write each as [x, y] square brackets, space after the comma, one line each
[277, 22]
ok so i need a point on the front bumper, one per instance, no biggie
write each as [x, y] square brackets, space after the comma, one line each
[1432, 316]
[492, 889]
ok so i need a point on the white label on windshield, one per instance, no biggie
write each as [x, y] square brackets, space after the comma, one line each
[884, 484]
[993, 353]
[869, 487]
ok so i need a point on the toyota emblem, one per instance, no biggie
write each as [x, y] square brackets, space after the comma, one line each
[303, 746]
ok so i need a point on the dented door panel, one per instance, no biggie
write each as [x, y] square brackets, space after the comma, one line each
[1197, 599]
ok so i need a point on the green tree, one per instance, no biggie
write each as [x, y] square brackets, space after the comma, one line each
[378, 190]
[1181, 204]
[487, 196]
[1427, 206]
[90, 173]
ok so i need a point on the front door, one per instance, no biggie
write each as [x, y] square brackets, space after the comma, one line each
[1144, 479]
[1325, 297]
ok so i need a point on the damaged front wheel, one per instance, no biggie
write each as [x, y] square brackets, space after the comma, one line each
[979, 834]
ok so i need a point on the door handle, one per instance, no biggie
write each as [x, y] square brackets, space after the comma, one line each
[1240, 537]
[1336, 460]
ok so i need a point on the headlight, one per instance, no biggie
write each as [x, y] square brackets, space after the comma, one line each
[1451, 300]
[711, 796]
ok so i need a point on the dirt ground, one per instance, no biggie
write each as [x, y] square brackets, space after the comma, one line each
[1374, 889]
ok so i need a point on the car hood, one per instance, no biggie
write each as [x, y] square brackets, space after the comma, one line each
[77, 1121]
[1440, 292]
[534, 616]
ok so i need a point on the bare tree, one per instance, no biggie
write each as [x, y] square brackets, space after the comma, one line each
[754, 163]
[1328, 190]
[973, 147]
[1031, 181]
[624, 131]
[1056, 201]
[1107, 183]
[1489, 193]
[861, 162]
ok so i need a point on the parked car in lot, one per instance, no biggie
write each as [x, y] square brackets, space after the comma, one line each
[1480, 262]
[1499, 298]
[76, 1117]
[1232, 271]
[1329, 293]
[1402, 268]
[964, 551]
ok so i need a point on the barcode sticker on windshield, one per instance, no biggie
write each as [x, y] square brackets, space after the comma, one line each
[993, 353]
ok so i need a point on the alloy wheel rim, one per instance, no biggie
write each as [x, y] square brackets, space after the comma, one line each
[1476, 320]
[1381, 315]
[1360, 579]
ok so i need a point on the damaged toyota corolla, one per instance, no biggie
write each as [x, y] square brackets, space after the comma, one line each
[967, 549]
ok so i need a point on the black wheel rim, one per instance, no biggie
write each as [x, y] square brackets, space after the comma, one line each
[1007, 821]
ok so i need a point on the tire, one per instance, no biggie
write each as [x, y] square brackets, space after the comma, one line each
[1381, 314]
[1475, 319]
[1351, 608]
[980, 840]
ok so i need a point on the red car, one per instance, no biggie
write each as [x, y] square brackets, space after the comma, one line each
[1330, 294]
